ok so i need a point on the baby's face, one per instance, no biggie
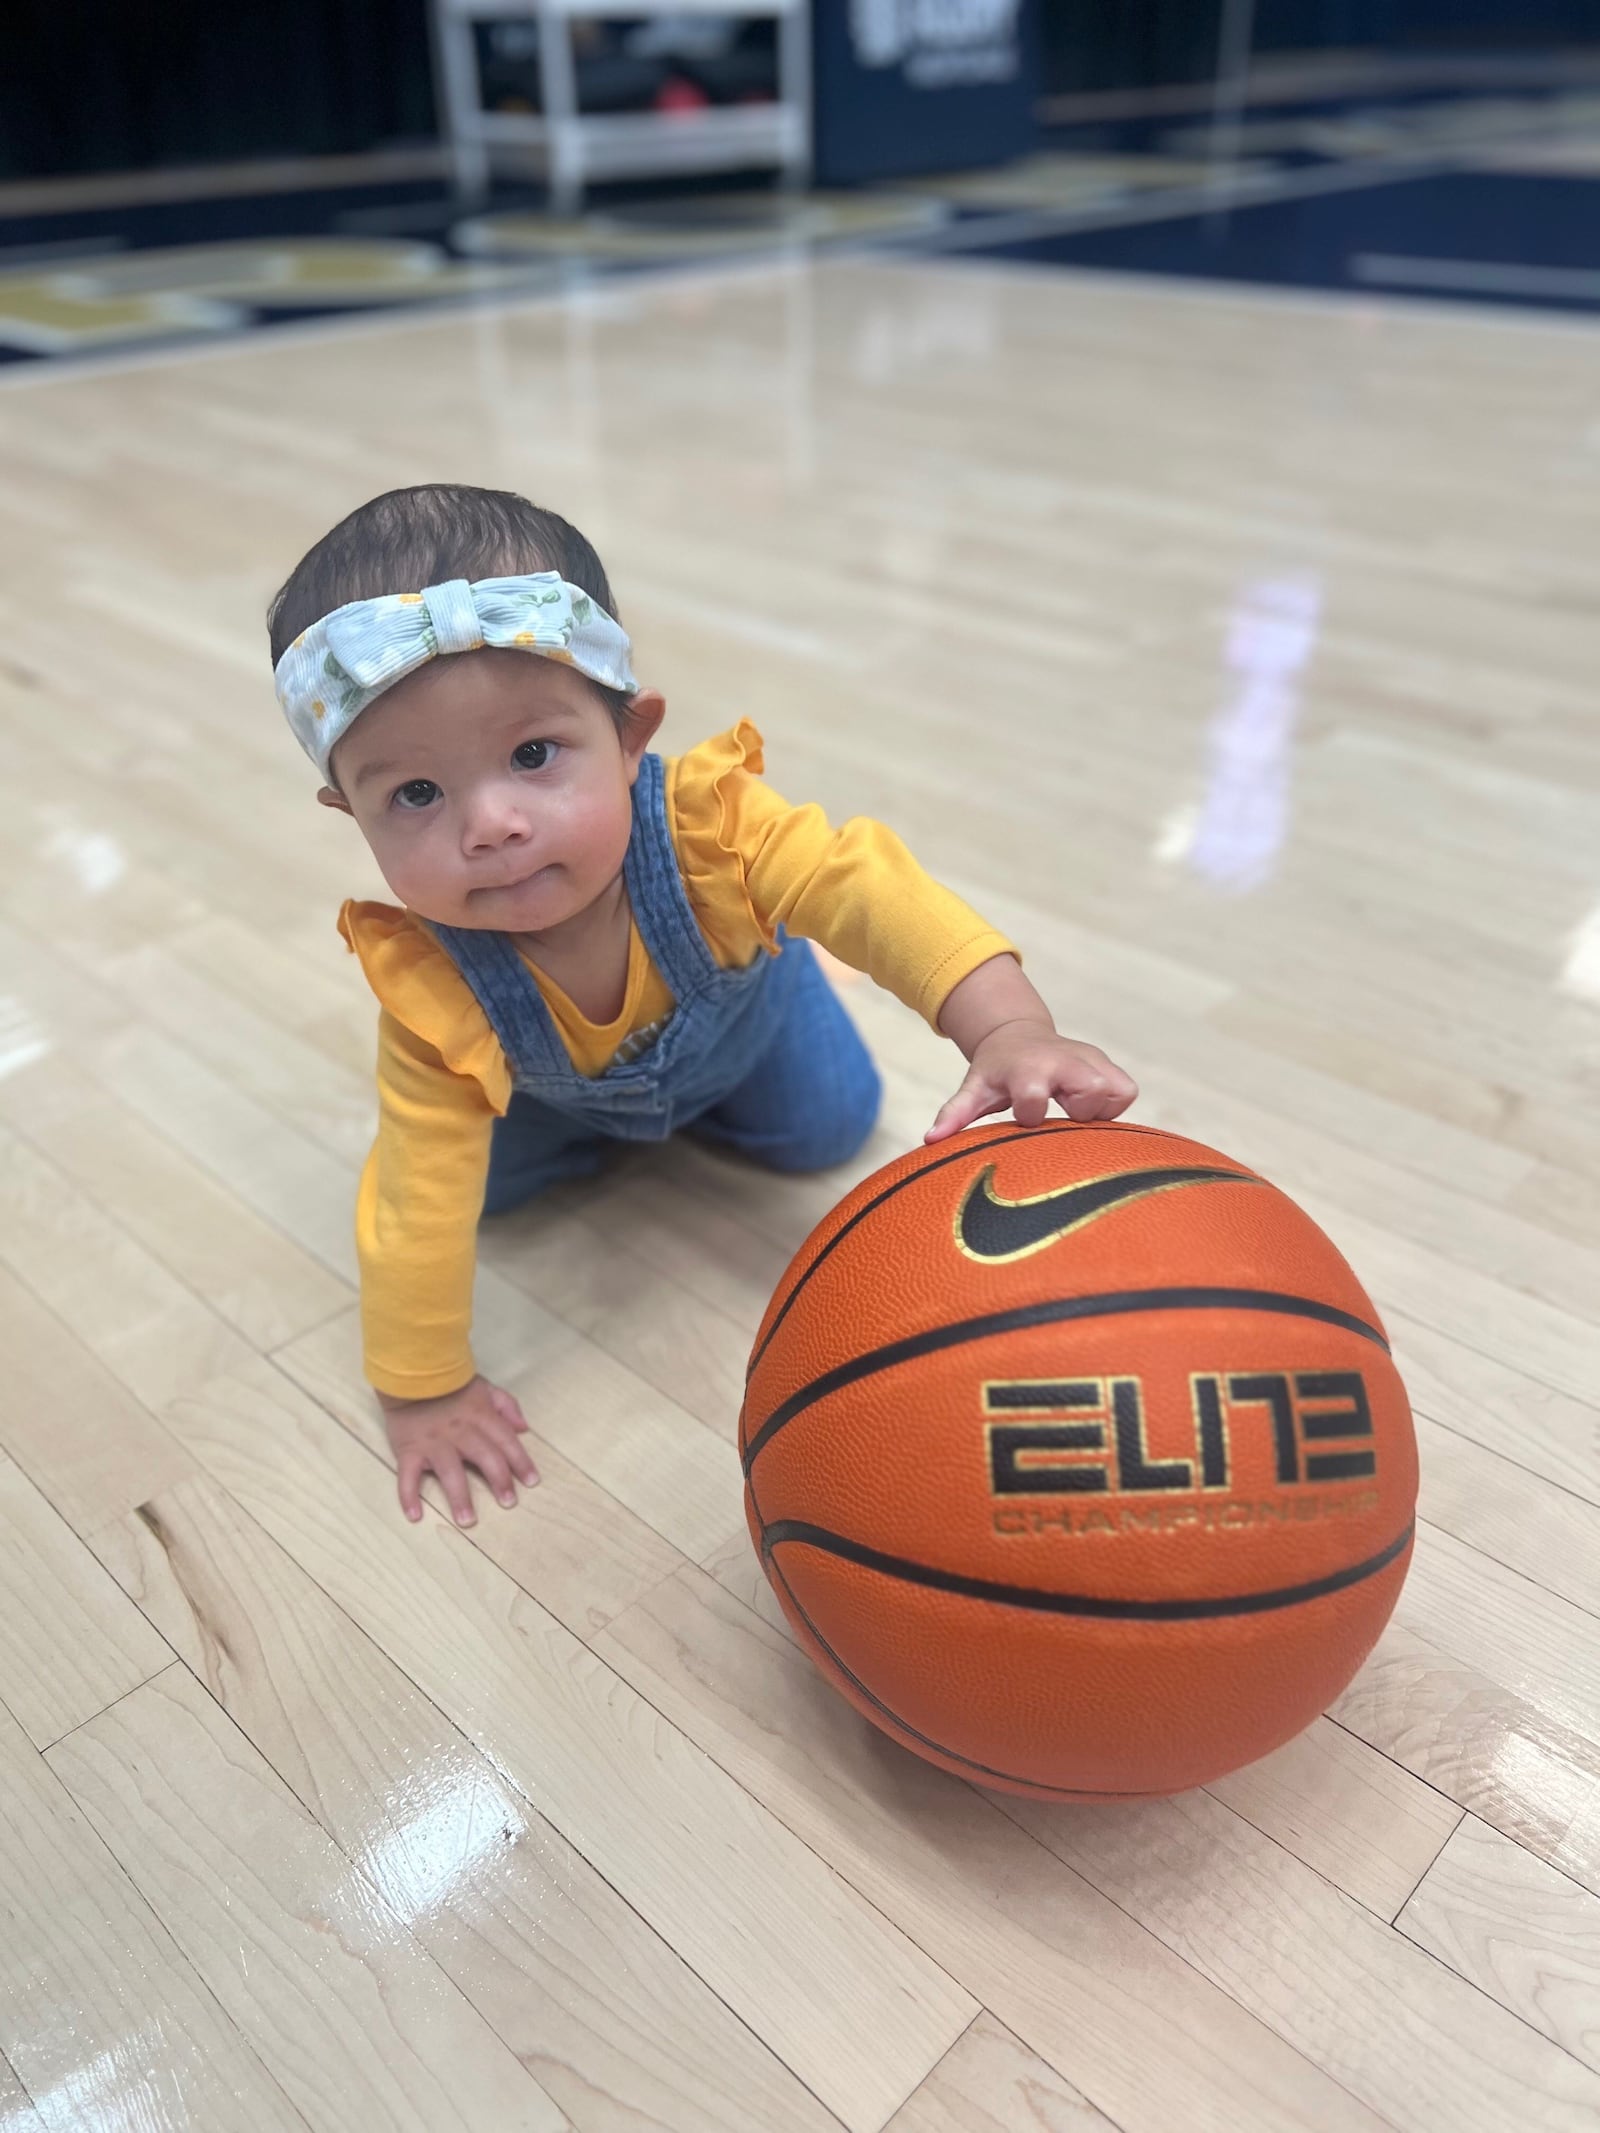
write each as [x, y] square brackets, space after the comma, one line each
[494, 789]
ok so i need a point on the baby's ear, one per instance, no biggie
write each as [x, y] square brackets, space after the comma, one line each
[645, 713]
[329, 798]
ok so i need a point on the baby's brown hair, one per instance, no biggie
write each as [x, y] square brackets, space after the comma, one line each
[410, 538]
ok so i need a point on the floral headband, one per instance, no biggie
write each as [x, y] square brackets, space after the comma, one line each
[333, 670]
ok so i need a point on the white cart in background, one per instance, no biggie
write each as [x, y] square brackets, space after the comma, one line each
[573, 148]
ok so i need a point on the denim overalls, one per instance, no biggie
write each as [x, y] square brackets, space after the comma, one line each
[764, 1058]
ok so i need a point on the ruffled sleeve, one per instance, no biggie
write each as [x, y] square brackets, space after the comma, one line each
[416, 981]
[716, 799]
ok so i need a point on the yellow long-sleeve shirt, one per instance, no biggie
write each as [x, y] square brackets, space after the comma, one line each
[750, 862]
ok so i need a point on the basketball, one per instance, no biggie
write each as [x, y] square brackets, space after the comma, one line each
[1077, 1460]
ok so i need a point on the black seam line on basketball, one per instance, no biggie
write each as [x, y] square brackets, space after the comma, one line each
[794, 1531]
[923, 1170]
[1115, 1304]
[954, 1755]
[926, 1170]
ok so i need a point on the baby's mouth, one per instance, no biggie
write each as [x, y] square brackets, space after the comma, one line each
[519, 881]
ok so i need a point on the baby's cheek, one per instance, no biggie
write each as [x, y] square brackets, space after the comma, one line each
[600, 830]
[414, 869]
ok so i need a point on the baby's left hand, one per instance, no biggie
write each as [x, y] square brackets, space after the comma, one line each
[1022, 1064]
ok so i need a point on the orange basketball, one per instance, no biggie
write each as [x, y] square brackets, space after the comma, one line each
[1077, 1459]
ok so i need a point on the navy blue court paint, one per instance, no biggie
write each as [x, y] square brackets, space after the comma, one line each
[1471, 219]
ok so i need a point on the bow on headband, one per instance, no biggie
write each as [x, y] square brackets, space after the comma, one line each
[333, 670]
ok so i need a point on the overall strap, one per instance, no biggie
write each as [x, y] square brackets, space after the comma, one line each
[661, 906]
[504, 988]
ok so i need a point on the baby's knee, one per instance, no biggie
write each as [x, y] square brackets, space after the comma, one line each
[825, 1142]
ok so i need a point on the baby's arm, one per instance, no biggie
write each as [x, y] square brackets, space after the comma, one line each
[1017, 1059]
[860, 892]
[416, 1236]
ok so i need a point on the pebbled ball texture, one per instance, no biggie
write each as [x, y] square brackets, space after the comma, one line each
[1077, 1460]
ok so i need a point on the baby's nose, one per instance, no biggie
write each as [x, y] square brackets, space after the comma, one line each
[494, 820]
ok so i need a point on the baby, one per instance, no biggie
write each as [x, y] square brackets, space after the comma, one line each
[589, 943]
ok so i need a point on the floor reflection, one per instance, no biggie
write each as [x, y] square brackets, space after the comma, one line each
[1234, 835]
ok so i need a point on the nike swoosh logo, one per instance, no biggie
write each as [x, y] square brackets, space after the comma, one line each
[991, 1229]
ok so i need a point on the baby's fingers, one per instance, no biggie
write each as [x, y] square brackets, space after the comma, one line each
[1029, 1105]
[1091, 1072]
[483, 1451]
[1105, 1095]
[1123, 1090]
[504, 1404]
[1083, 1104]
[972, 1100]
[409, 1479]
[453, 1480]
[518, 1459]
[1090, 1087]
[1116, 1100]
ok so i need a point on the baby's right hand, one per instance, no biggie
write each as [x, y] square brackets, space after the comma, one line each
[477, 1426]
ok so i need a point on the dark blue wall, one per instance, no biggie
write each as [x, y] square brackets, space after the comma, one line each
[1305, 24]
[880, 120]
[1125, 44]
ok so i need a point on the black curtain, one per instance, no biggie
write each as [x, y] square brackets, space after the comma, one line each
[130, 84]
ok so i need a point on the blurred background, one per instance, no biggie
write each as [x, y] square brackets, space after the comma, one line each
[180, 170]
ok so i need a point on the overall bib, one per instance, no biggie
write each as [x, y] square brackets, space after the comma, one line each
[764, 1058]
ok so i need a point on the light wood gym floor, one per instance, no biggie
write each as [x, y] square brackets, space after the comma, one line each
[1278, 753]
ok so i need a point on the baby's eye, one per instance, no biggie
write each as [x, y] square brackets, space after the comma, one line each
[416, 793]
[533, 755]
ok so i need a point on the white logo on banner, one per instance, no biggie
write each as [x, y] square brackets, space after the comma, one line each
[939, 43]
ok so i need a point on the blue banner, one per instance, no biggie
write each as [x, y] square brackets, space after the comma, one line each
[904, 86]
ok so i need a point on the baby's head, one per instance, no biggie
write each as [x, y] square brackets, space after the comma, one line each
[494, 787]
